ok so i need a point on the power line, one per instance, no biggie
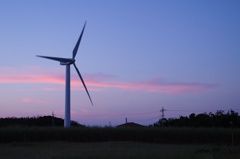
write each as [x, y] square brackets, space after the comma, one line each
[148, 119]
[198, 110]
[162, 110]
[152, 113]
[119, 115]
[53, 122]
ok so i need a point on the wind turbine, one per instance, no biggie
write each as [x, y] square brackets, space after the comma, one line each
[67, 62]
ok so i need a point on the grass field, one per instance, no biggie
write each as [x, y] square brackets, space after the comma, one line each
[114, 150]
[194, 136]
[119, 143]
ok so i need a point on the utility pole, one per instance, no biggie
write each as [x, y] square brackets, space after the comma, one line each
[53, 122]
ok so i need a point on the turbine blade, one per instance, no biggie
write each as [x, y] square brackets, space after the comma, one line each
[56, 58]
[82, 82]
[78, 42]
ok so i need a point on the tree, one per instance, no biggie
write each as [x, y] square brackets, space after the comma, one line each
[219, 119]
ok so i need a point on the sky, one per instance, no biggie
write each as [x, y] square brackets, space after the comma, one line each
[136, 57]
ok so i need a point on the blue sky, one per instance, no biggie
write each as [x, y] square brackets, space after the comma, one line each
[135, 57]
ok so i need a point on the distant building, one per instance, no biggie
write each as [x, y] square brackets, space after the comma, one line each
[130, 124]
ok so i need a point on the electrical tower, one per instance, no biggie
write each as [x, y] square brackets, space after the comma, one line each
[162, 120]
[162, 110]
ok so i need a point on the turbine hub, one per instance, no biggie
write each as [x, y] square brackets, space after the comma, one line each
[69, 62]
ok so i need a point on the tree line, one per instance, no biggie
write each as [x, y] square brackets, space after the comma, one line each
[42, 121]
[219, 119]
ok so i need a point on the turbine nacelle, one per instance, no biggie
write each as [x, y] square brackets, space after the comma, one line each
[71, 61]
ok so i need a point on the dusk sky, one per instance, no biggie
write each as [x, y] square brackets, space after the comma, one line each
[136, 56]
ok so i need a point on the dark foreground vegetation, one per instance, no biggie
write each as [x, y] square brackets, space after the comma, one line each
[216, 136]
[115, 150]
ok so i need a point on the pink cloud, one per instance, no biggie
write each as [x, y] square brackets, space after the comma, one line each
[54, 89]
[162, 86]
[29, 100]
[99, 82]
[30, 79]
[85, 111]
[157, 85]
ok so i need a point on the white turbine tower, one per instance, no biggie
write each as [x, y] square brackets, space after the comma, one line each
[68, 62]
